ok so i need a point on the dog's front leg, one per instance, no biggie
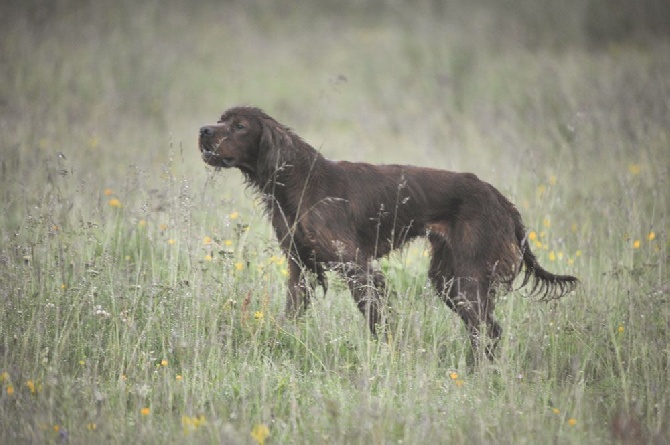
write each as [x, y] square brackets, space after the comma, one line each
[297, 295]
[366, 288]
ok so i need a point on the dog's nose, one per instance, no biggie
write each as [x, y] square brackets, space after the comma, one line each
[206, 131]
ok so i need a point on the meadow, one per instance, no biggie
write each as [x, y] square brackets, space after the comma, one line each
[141, 292]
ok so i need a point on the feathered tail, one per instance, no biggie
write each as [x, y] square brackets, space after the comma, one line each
[545, 285]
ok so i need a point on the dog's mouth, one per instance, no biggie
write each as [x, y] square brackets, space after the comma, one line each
[215, 160]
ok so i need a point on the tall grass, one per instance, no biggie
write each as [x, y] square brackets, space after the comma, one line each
[142, 293]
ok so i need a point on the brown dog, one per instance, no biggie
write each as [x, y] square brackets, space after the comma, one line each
[342, 215]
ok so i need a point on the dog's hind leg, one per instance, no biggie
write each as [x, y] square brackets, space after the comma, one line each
[470, 298]
[472, 301]
[441, 270]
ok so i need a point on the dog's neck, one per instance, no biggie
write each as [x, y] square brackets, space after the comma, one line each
[283, 188]
[289, 167]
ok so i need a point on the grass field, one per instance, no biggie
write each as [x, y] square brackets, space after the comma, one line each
[142, 292]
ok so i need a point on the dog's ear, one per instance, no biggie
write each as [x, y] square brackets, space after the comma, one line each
[268, 136]
[275, 147]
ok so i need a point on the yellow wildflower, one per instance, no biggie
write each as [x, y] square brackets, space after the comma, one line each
[651, 236]
[258, 315]
[164, 362]
[552, 256]
[234, 215]
[453, 376]
[208, 257]
[634, 169]
[192, 423]
[572, 421]
[145, 411]
[228, 243]
[108, 192]
[171, 241]
[556, 410]
[636, 244]
[93, 142]
[259, 433]
[115, 203]
[621, 329]
[10, 390]
[186, 423]
[179, 378]
[239, 266]
[532, 236]
[207, 240]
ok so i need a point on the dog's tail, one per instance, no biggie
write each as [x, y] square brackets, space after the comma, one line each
[545, 285]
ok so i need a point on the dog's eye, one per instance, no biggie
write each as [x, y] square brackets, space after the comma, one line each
[240, 126]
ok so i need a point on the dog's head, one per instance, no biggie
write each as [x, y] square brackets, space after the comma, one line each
[248, 139]
[234, 141]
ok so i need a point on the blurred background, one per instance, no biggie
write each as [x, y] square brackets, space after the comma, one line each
[362, 79]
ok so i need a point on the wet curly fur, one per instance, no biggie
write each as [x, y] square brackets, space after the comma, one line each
[340, 216]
